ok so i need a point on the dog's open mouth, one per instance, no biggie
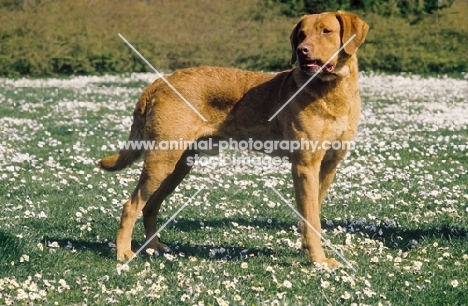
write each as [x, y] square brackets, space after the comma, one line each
[315, 65]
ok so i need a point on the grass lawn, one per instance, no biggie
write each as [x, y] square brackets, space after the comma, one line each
[397, 210]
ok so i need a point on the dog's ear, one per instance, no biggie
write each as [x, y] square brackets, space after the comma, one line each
[351, 24]
[294, 41]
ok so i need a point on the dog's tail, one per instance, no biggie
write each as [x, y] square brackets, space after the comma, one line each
[131, 150]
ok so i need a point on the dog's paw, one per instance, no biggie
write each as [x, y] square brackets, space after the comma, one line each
[330, 263]
[158, 247]
[125, 255]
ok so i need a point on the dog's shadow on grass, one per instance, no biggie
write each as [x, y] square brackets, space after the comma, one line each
[83, 245]
[186, 226]
[392, 236]
[11, 247]
[225, 251]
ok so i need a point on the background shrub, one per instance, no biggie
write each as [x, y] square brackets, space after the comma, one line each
[51, 37]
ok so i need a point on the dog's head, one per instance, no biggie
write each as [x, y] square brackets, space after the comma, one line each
[317, 38]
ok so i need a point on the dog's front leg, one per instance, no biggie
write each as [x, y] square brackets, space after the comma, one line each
[305, 171]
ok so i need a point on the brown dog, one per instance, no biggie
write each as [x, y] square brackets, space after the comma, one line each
[238, 104]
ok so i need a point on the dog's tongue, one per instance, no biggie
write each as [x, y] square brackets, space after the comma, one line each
[315, 66]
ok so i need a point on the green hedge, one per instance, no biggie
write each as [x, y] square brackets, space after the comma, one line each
[49, 37]
[386, 8]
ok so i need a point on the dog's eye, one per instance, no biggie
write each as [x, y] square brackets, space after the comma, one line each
[301, 36]
[326, 31]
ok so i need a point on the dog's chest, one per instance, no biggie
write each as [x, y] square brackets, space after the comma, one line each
[329, 128]
[320, 120]
[337, 126]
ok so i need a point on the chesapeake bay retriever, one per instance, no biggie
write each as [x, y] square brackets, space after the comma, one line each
[238, 105]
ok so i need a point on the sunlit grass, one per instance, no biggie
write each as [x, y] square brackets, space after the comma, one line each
[397, 210]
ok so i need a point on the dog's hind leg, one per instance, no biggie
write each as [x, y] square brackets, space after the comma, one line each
[158, 166]
[150, 211]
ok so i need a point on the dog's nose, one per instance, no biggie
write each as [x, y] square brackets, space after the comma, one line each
[304, 49]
